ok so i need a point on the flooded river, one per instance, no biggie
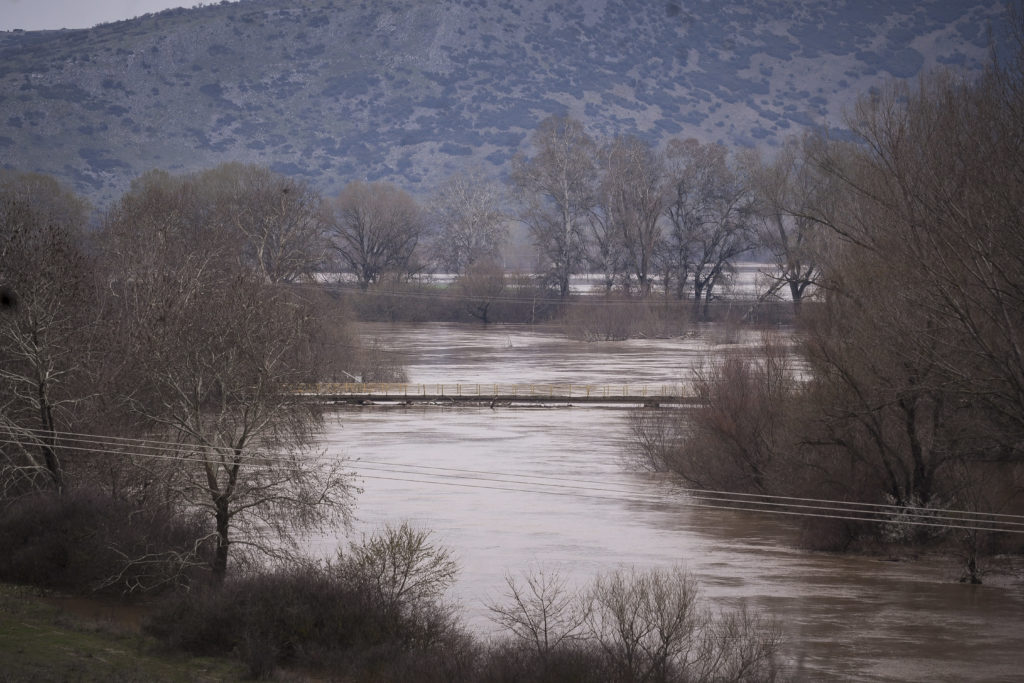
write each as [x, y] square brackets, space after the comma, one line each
[512, 488]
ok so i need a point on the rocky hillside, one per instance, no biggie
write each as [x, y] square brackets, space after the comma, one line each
[412, 90]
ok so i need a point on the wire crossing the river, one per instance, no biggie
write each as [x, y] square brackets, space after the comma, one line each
[155, 450]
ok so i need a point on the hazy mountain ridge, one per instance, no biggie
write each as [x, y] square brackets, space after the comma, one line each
[410, 91]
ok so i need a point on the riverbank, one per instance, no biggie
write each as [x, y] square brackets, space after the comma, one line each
[51, 636]
[46, 636]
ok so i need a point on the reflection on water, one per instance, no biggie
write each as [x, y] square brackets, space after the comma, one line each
[509, 488]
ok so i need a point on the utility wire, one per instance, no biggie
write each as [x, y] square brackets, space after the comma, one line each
[847, 510]
[689, 503]
[271, 458]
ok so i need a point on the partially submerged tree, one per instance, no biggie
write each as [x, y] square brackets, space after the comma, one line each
[632, 201]
[913, 392]
[481, 284]
[792, 200]
[469, 223]
[556, 188]
[375, 230]
[709, 211]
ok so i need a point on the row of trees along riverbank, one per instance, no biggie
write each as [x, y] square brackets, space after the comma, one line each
[913, 390]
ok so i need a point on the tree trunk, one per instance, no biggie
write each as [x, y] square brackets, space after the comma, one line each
[563, 285]
[49, 453]
[220, 557]
[698, 292]
[797, 293]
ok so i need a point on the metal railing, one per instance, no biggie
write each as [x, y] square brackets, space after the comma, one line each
[495, 390]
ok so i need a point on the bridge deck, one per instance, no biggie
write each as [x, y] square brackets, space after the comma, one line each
[501, 394]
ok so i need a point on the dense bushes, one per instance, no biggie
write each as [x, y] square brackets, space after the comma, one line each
[309, 616]
[613, 318]
[519, 300]
[86, 541]
[367, 612]
[631, 625]
[378, 613]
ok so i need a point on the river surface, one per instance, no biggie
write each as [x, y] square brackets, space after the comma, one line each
[513, 488]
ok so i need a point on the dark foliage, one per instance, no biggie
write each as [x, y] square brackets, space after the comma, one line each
[85, 541]
[313, 616]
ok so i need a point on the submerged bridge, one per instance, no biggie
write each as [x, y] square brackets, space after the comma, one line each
[501, 394]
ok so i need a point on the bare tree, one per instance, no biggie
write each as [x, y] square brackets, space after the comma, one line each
[606, 252]
[542, 612]
[281, 219]
[710, 215]
[790, 194]
[481, 284]
[739, 437]
[638, 625]
[653, 626]
[556, 188]
[470, 225]
[212, 355]
[632, 202]
[47, 331]
[645, 621]
[402, 568]
[917, 348]
[375, 230]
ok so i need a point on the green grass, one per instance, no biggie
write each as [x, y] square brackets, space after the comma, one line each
[40, 642]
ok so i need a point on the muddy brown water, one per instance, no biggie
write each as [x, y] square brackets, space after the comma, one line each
[511, 489]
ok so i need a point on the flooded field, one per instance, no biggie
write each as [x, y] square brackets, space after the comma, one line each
[508, 489]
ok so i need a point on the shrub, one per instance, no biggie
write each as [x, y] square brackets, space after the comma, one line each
[609, 318]
[87, 541]
[375, 612]
[631, 625]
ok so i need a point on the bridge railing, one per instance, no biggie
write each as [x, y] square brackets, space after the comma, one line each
[494, 390]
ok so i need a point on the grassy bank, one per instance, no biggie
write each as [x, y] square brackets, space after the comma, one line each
[40, 641]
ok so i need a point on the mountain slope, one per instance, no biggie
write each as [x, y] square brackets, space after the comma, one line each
[410, 91]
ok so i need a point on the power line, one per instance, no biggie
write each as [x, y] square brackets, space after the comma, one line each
[689, 503]
[269, 457]
[832, 509]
